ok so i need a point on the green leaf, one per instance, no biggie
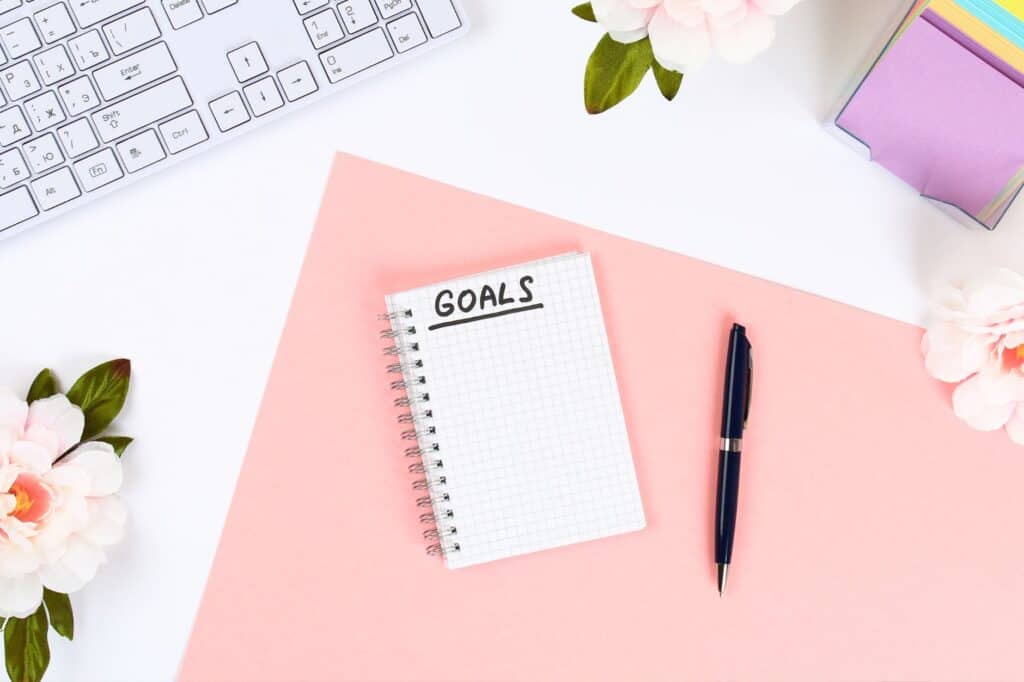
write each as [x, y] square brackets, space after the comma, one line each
[119, 443]
[58, 606]
[26, 649]
[584, 11]
[669, 82]
[43, 386]
[101, 393]
[614, 72]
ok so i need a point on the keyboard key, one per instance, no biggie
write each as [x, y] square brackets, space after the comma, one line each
[297, 81]
[389, 8]
[13, 126]
[19, 38]
[8, 5]
[140, 151]
[263, 96]
[406, 33]
[212, 6]
[356, 55]
[19, 80]
[59, 187]
[43, 153]
[323, 28]
[98, 170]
[54, 65]
[304, 6]
[183, 132]
[440, 16]
[89, 12]
[88, 49]
[12, 168]
[141, 110]
[44, 111]
[181, 13]
[229, 111]
[357, 15]
[140, 69]
[77, 138]
[79, 96]
[248, 62]
[131, 30]
[16, 207]
[54, 23]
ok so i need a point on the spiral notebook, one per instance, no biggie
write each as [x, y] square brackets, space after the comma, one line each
[513, 412]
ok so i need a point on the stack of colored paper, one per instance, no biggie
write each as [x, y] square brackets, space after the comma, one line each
[943, 105]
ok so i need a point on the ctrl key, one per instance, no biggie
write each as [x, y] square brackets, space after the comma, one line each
[16, 207]
[183, 132]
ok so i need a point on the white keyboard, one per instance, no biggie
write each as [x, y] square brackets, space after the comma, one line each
[96, 94]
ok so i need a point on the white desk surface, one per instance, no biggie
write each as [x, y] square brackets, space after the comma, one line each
[190, 273]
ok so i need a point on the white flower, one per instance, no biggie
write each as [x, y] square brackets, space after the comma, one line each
[684, 33]
[55, 519]
[977, 341]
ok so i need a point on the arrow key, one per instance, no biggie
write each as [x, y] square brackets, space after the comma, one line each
[297, 81]
[248, 62]
[263, 96]
[229, 111]
[303, 6]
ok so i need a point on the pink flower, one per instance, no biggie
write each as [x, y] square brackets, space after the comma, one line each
[977, 340]
[55, 519]
[684, 33]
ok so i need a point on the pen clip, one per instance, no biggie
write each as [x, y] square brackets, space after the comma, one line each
[750, 385]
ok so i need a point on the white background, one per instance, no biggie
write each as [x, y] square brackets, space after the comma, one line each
[190, 273]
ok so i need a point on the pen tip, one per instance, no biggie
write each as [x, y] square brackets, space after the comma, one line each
[723, 574]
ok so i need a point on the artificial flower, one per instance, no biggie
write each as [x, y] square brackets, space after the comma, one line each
[58, 505]
[976, 340]
[685, 33]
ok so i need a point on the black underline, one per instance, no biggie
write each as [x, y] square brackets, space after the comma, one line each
[500, 313]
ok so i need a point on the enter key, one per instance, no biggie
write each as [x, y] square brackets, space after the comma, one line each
[136, 71]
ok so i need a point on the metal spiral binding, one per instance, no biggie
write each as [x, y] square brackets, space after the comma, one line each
[418, 416]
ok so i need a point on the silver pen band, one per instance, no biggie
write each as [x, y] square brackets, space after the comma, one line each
[731, 445]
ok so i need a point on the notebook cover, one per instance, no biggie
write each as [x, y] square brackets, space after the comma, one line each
[876, 532]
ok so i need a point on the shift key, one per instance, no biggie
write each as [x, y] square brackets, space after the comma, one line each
[142, 109]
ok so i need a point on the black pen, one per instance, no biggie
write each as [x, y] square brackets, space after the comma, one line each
[739, 375]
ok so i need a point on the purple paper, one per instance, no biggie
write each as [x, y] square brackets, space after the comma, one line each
[940, 117]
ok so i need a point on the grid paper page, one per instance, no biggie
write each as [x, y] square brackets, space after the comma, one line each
[525, 409]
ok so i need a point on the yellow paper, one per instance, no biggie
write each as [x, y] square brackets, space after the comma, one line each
[1015, 7]
[980, 32]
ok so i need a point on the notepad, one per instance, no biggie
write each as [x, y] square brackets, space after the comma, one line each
[511, 401]
[943, 105]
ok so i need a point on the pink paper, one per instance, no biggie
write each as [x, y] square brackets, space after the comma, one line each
[877, 536]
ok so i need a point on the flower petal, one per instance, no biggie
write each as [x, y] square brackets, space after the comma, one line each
[31, 456]
[75, 567]
[970, 405]
[58, 415]
[13, 412]
[101, 464]
[21, 596]
[739, 41]
[621, 16]
[107, 517]
[952, 354]
[678, 47]
[1015, 426]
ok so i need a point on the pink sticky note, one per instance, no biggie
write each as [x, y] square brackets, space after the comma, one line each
[941, 117]
[875, 538]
